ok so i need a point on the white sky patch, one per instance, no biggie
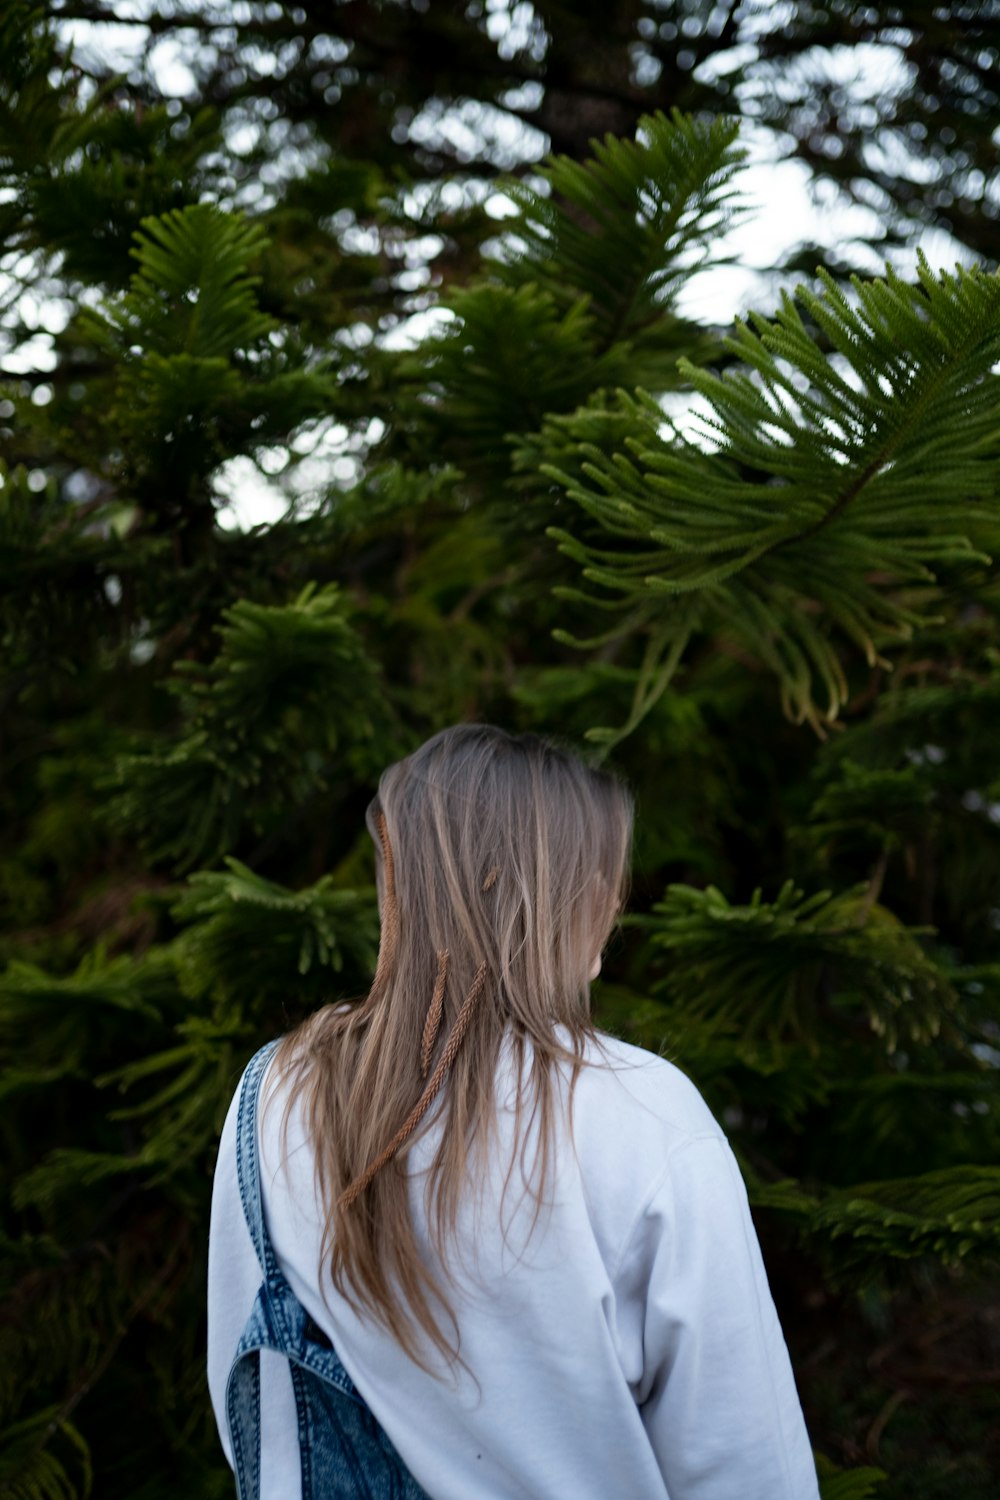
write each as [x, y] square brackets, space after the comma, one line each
[283, 482]
[413, 331]
[92, 42]
[688, 412]
[472, 129]
[166, 62]
[34, 354]
[248, 499]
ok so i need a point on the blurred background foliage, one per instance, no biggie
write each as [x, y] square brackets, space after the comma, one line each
[408, 278]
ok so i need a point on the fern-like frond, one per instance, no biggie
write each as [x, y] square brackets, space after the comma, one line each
[626, 227]
[252, 955]
[248, 938]
[949, 1214]
[193, 293]
[198, 373]
[44, 1457]
[581, 297]
[290, 691]
[53, 1007]
[840, 487]
[772, 967]
[513, 355]
[871, 808]
[847, 1484]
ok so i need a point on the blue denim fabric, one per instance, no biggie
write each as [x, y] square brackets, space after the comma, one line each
[344, 1452]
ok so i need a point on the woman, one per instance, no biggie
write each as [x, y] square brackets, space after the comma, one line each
[467, 1247]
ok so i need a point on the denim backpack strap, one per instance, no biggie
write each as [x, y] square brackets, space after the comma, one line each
[261, 1330]
[343, 1450]
[248, 1164]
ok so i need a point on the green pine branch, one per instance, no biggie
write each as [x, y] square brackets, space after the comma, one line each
[199, 373]
[774, 969]
[249, 952]
[842, 486]
[847, 1484]
[44, 1457]
[193, 293]
[949, 1214]
[290, 693]
[581, 296]
[72, 1017]
[880, 807]
[246, 938]
[627, 227]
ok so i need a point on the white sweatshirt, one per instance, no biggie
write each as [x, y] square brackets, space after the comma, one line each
[628, 1350]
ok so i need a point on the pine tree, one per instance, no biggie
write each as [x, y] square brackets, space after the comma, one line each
[778, 614]
[388, 82]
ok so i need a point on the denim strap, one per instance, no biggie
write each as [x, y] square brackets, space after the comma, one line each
[248, 1166]
[342, 1449]
[243, 1387]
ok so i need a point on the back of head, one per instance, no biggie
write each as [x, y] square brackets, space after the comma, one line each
[501, 860]
[509, 849]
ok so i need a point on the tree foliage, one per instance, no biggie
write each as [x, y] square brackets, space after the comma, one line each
[837, 493]
[755, 568]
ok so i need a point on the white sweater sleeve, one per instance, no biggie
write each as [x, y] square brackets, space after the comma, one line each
[718, 1397]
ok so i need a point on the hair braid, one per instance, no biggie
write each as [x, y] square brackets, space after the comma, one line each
[433, 1023]
[428, 1096]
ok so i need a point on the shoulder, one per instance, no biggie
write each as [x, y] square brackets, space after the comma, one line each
[636, 1120]
[256, 1105]
[645, 1094]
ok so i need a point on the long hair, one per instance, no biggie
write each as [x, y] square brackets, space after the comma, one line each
[501, 861]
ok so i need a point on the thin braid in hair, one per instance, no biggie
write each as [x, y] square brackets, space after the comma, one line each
[433, 1023]
[390, 912]
[428, 1096]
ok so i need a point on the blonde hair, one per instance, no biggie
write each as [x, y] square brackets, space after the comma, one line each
[501, 862]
